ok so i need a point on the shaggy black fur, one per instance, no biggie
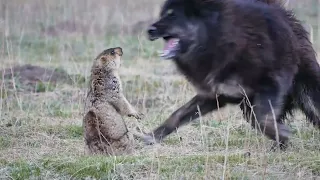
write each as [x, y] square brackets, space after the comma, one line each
[256, 54]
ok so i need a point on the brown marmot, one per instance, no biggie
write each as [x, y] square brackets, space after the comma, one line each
[105, 131]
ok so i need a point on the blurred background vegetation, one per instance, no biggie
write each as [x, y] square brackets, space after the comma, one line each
[308, 11]
[21, 18]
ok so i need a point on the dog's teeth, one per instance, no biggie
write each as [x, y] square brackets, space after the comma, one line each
[164, 53]
[161, 53]
[175, 42]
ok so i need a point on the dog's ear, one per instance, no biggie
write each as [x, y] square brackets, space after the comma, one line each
[192, 7]
[203, 7]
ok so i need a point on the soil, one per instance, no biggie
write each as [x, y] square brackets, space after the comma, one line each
[32, 78]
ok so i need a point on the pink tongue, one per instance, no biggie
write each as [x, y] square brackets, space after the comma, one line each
[169, 44]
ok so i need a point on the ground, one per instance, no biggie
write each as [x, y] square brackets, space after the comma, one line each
[41, 122]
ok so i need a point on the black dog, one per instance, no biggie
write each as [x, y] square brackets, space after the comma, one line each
[240, 52]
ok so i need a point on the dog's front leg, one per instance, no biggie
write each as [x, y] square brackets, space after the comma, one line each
[184, 114]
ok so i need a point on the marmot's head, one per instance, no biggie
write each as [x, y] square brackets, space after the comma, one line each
[110, 59]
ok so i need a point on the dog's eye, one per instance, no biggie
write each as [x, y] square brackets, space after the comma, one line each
[112, 52]
[170, 12]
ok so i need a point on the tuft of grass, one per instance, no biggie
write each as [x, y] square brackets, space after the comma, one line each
[58, 109]
[84, 167]
[21, 170]
[44, 86]
[101, 167]
[133, 167]
[3, 162]
[5, 142]
[65, 132]
[74, 131]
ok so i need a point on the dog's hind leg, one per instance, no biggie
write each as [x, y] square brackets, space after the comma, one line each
[184, 114]
[266, 112]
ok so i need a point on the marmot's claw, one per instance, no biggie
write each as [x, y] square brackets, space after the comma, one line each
[136, 115]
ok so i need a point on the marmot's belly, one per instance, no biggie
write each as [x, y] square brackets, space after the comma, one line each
[112, 123]
[110, 146]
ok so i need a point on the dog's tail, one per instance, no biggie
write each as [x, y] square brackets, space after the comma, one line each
[269, 1]
[278, 2]
[307, 89]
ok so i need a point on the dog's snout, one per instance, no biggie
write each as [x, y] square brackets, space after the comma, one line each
[153, 33]
[152, 30]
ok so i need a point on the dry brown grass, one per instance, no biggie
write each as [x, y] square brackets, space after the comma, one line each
[41, 133]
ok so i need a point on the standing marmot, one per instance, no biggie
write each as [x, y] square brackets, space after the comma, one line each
[105, 131]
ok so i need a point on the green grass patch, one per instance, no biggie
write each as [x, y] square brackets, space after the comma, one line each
[232, 165]
[21, 170]
[65, 132]
[3, 162]
[166, 167]
[172, 140]
[5, 142]
[44, 86]
[99, 167]
[58, 109]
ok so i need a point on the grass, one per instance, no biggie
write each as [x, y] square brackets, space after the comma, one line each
[41, 135]
[238, 166]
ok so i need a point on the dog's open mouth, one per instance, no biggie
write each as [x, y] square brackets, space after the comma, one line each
[170, 48]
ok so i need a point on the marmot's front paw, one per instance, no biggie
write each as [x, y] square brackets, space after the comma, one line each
[137, 115]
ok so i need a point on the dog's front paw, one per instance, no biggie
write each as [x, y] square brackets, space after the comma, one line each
[137, 115]
[148, 139]
[282, 146]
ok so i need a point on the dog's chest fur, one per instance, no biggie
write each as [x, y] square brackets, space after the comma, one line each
[231, 87]
[209, 84]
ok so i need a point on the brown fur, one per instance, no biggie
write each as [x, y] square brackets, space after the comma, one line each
[104, 127]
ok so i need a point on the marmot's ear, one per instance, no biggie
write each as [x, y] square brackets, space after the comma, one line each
[119, 51]
[103, 59]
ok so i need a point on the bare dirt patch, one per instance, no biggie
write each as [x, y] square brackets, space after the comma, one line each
[32, 78]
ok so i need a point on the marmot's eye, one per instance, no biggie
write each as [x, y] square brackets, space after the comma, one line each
[112, 52]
